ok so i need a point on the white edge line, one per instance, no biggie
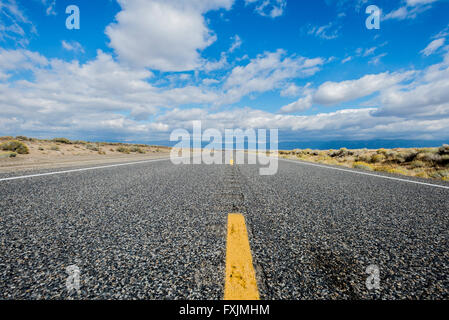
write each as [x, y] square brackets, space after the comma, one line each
[365, 173]
[82, 169]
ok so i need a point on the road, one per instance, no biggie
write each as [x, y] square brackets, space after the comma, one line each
[154, 230]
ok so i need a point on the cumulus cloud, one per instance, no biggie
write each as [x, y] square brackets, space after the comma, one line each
[301, 104]
[331, 93]
[291, 90]
[71, 97]
[175, 32]
[267, 72]
[427, 96]
[354, 123]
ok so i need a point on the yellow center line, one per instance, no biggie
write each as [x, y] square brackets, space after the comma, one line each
[240, 282]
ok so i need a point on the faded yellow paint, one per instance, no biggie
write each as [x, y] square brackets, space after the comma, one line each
[231, 162]
[240, 282]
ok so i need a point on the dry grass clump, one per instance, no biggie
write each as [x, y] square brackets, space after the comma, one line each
[362, 165]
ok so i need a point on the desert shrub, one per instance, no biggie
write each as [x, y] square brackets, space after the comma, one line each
[428, 157]
[444, 160]
[92, 147]
[382, 151]
[55, 148]
[363, 157]
[101, 152]
[377, 158]
[123, 149]
[391, 154]
[15, 146]
[22, 138]
[13, 155]
[79, 142]
[307, 151]
[403, 156]
[343, 152]
[362, 165]
[440, 174]
[136, 149]
[41, 149]
[62, 140]
[417, 164]
[444, 150]
[410, 155]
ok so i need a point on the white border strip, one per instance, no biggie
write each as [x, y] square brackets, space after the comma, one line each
[82, 169]
[365, 173]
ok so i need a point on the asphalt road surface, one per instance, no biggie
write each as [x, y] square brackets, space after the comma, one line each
[154, 230]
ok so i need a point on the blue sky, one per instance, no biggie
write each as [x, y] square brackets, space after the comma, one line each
[138, 69]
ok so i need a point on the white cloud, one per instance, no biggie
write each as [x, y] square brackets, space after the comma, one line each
[419, 2]
[50, 4]
[426, 96]
[331, 93]
[21, 59]
[410, 10]
[72, 46]
[301, 104]
[342, 124]
[376, 60]
[433, 46]
[267, 72]
[269, 8]
[216, 65]
[72, 97]
[443, 33]
[236, 44]
[291, 90]
[324, 32]
[175, 31]
[14, 24]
